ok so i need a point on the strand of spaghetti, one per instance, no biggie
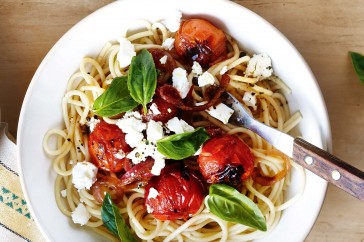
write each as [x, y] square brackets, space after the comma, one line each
[276, 109]
[279, 82]
[57, 151]
[84, 99]
[302, 183]
[59, 200]
[292, 122]
[159, 26]
[112, 61]
[243, 79]
[245, 59]
[214, 218]
[89, 78]
[139, 35]
[283, 104]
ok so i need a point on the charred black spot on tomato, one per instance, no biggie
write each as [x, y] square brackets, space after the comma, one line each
[231, 175]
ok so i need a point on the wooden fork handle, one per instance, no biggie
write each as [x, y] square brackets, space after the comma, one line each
[329, 167]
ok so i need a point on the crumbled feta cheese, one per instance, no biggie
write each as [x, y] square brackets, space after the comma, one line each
[154, 109]
[163, 60]
[178, 126]
[120, 155]
[168, 43]
[153, 193]
[196, 68]
[221, 112]
[64, 193]
[169, 110]
[206, 79]
[223, 70]
[159, 163]
[92, 123]
[126, 52]
[250, 99]
[154, 131]
[133, 138]
[80, 215]
[173, 20]
[141, 152]
[132, 127]
[180, 81]
[149, 209]
[84, 175]
[260, 65]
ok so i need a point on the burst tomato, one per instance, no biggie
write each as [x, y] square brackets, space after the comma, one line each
[180, 194]
[201, 41]
[107, 147]
[226, 159]
[166, 110]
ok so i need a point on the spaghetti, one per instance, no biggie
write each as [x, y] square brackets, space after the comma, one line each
[94, 77]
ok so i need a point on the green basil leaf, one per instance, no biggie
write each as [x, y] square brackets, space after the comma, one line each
[114, 222]
[116, 99]
[180, 146]
[229, 204]
[142, 78]
[358, 63]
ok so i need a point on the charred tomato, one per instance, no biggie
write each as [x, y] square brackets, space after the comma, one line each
[226, 159]
[107, 147]
[199, 40]
[180, 193]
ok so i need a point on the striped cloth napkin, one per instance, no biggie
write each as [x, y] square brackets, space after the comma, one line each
[16, 222]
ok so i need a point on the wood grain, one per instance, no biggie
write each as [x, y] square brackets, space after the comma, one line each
[322, 31]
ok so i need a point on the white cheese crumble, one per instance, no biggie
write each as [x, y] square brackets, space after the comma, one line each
[168, 43]
[126, 52]
[159, 163]
[153, 193]
[154, 109]
[180, 81]
[80, 215]
[132, 126]
[154, 131]
[163, 60]
[141, 152]
[206, 79]
[173, 20]
[84, 175]
[169, 110]
[92, 123]
[179, 126]
[260, 65]
[196, 68]
[250, 99]
[223, 70]
[221, 112]
[64, 193]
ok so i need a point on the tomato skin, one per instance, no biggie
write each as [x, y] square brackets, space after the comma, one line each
[226, 159]
[104, 143]
[201, 41]
[180, 194]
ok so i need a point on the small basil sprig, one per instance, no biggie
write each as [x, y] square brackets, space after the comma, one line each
[358, 63]
[229, 204]
[142, 78]
[180, 146]
[114, 222]
[116, 99]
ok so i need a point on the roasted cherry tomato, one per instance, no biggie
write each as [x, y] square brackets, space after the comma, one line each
[166, 110]
[107, 147]
[180, 193]
[226, 159]
[199, 40]
[107, 184]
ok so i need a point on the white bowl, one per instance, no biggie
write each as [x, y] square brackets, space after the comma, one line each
[41, 108]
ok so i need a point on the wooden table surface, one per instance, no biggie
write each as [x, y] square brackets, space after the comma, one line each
[323, 32]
